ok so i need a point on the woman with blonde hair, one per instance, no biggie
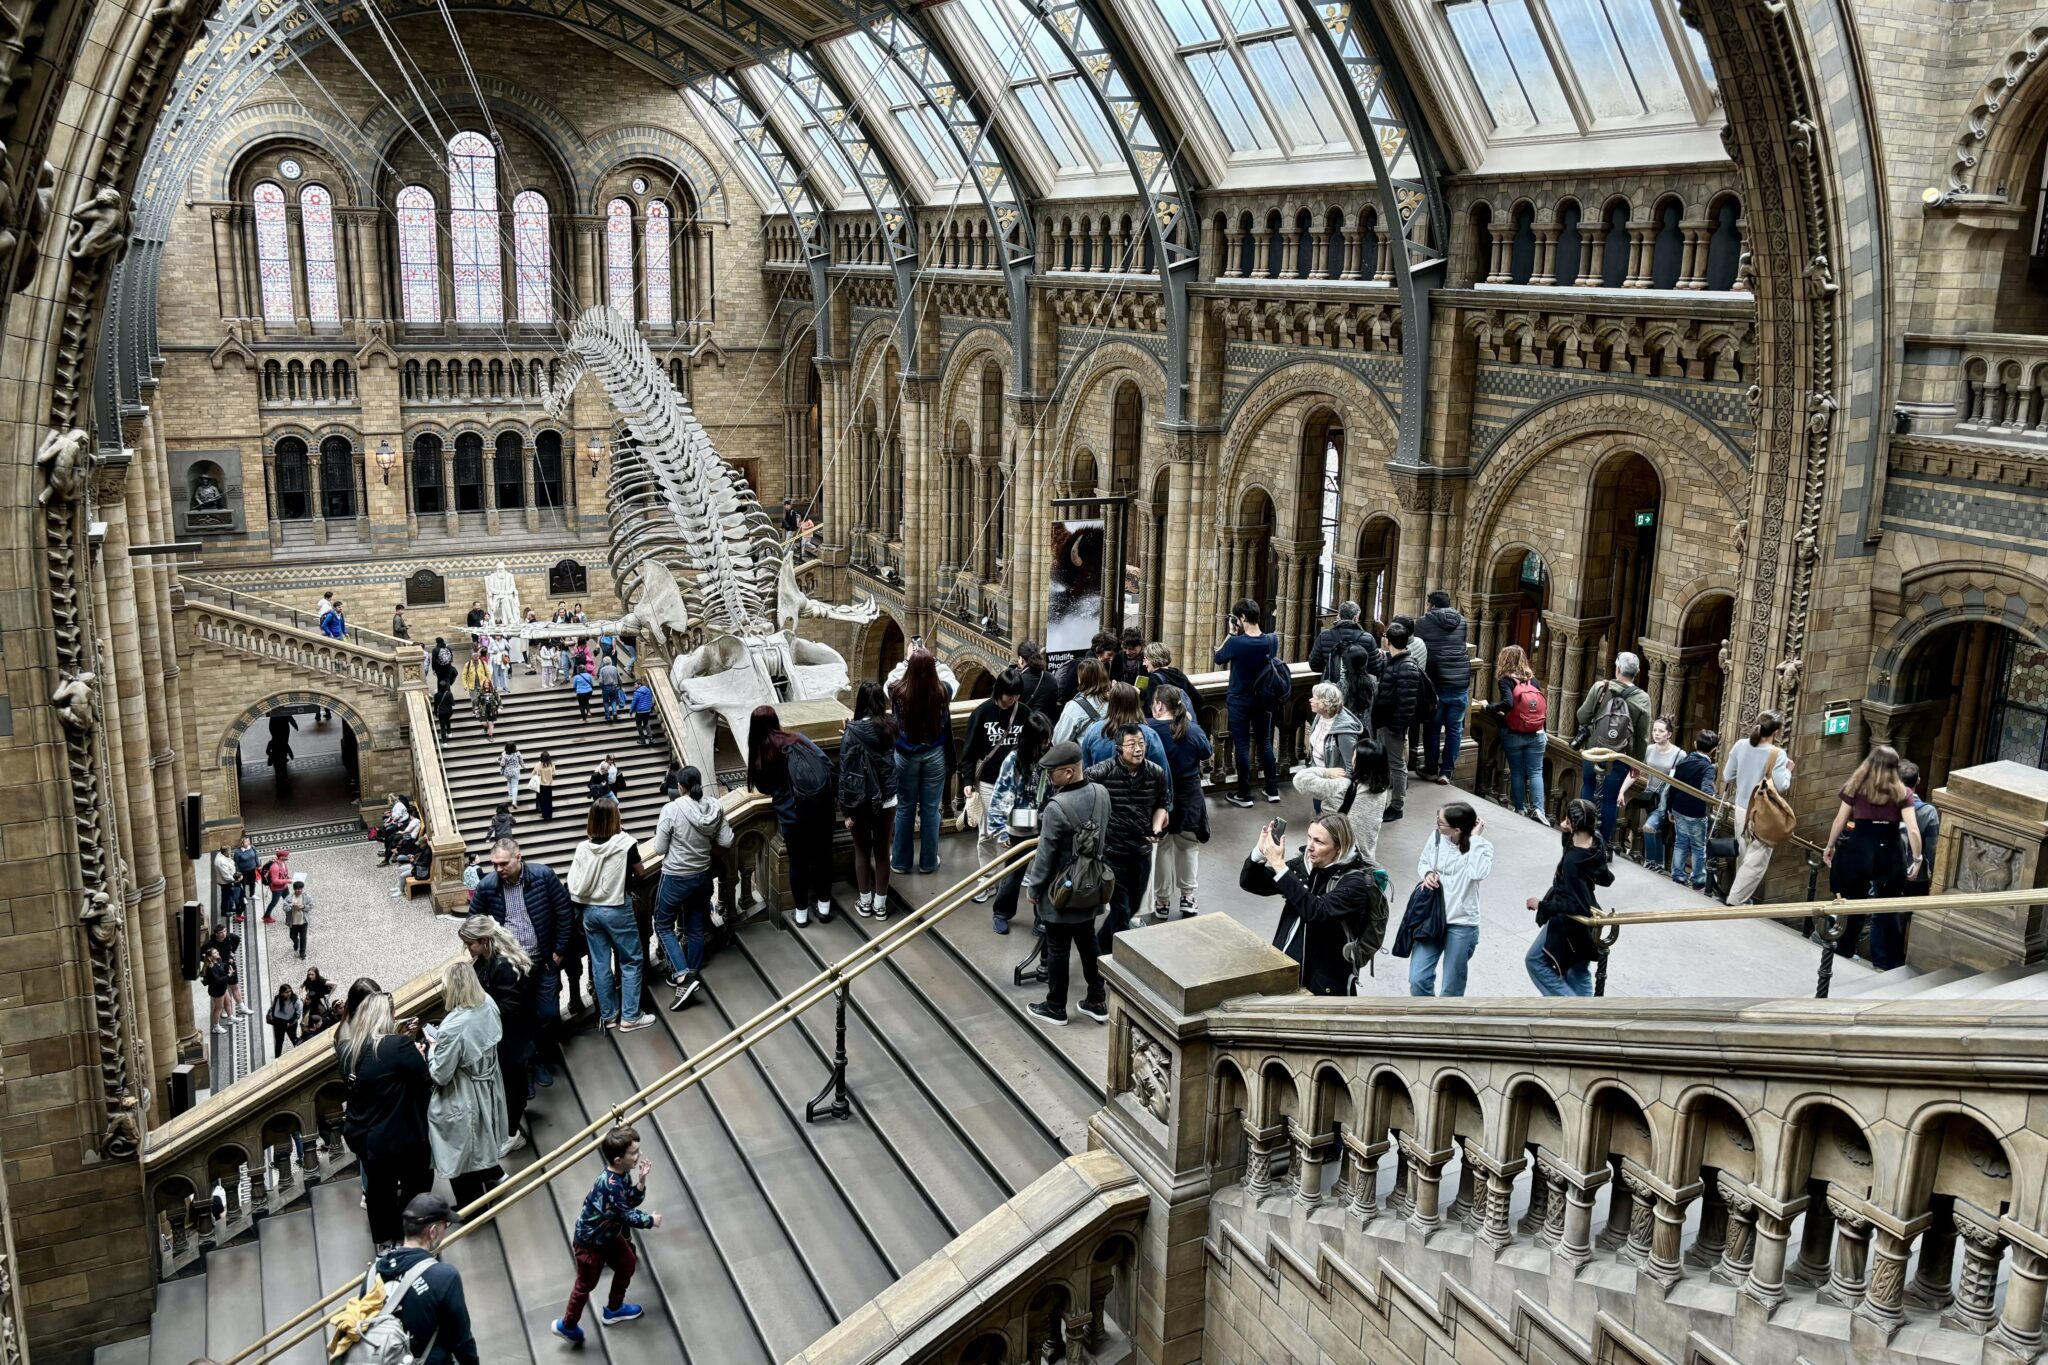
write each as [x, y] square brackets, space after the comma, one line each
[1523, 711]
[466, 1117]
[1862, 852]
[507, 975]
[386, 1121]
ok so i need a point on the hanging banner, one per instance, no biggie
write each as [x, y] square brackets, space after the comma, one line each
[1074, 608]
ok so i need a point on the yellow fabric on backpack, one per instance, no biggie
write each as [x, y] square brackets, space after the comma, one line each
[348, 1323]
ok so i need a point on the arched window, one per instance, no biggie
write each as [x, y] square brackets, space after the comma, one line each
[508, 470]
[618, 256]
[294, 497]
[337, 479]
[469, 472]
[429, 498]
[530, 256]
[316, 221]
[273, 255]
[660, 280]
[547, 471]
[473, 229]
[419, 272]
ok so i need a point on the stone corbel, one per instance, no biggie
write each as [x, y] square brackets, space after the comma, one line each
[232, 347]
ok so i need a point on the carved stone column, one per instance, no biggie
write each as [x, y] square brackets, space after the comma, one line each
[1849, 1269]
[1620, 1225]
[1261, 1145]
[1974, 1308]
[1816, 1247]
[1740, 1248]
[1936, 1269]
[1575, 1241]
[1537, 1215]
[1766, 1284]
[1309, 1152]
[1557, 1203]
[1709, 1242]
[1642, 1215]
[1885, 1303]
[1429, 1173]
[1365, 1177]
[1233, 246]
[1354, 255]
[1261, 252]
[2019, 1325]
[1495, 1187]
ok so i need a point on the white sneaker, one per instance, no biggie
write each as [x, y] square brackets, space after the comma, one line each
[803, 917]
[512, 1144]
[824, 911]
[863, 904]
[644, 1021]
[220, 1028]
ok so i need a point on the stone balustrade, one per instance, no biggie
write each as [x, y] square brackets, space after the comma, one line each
[1047, 1276]
[294, 646]
[1829, 1174]
[261, 1142]
[283, 613]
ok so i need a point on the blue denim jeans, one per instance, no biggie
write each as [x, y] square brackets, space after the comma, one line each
[615, 959]
[686, 897]
[1593, 787]
[1653, 834]
[1577, 981]
[1251, 727]
[1689, 844]
[1525, 770]
[1455, 952]
[613, 700]
[920, 783]
[1448, 721]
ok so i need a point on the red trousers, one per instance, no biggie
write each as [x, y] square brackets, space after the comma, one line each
[590, 1265]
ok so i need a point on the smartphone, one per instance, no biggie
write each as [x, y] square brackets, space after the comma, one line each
[407, 1024]
[1279, 830]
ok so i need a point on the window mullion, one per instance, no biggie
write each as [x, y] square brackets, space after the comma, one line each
[1283, 139]
[1567, 76]
[1697, 90]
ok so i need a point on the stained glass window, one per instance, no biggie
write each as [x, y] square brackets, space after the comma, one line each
[618, 256]
[530, 256]
[316, 219]
[419, 250]
[473, 229]
[273, 255]
[660, 276]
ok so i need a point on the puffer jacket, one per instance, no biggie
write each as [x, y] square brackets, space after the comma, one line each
[1318, 901]
[1395, 705]
[1134, 794]
[1450, 667]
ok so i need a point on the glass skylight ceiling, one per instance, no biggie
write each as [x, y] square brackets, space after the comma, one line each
[1559, 66]
[1065, 126]
[1250, 63]
[919, 139]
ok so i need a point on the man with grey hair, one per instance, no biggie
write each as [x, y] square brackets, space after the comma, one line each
[1615, 715]
[530, 900]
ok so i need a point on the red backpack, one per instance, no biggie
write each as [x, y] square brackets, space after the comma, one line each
[1527, 710]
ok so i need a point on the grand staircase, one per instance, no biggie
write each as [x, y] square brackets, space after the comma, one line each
[774, 1229]
[540, 719]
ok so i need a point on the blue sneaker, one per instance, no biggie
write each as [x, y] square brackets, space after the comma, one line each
[1002, 925]
[572, 1335]
[628, 1312]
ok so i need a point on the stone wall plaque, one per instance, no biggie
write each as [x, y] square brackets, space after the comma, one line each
[568, 579]
[206, 492]
[425, 588]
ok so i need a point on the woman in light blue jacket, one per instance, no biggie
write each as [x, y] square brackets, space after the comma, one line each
[466, 1121]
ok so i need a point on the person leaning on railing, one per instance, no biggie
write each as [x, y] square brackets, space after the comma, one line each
[1863, 852]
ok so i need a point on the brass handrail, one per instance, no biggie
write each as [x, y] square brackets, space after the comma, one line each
[1881, 905]
[656, 1093]
[1718, 802]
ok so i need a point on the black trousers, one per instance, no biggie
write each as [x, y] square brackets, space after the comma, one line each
[470, 1185]
[1132, 870]
[808, 839]
[298, 934]
[1058, 938]
[390, 1182]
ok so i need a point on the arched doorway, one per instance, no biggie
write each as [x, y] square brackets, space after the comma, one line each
[1258, 563]
[1701, 681]
[1318, 512]
[1379, 545]
[1969, 693]
[298, 765]
[1521, 576]
[1621, 552]
[886, 649]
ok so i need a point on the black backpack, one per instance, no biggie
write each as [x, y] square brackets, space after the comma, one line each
[858, 786]
[1088, 881]
[1614, 724]
[1275, 683]
[810, 770]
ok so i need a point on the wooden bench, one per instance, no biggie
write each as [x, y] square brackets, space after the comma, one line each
[413, 886]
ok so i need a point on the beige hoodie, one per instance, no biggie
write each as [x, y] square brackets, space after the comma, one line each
[597, 875]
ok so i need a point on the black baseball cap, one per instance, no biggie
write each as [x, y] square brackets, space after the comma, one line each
[425, 1210]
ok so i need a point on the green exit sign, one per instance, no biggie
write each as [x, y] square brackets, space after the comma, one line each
[1834, 720]
[1646, 517]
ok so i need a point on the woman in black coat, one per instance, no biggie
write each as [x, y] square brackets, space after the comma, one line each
[386, 1123]
[1331, 898]
[1560, 961]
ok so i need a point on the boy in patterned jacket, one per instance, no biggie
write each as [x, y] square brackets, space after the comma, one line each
[603, 1234]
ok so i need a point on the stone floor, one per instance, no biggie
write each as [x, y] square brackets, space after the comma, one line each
[317, 790]
[1733, 958]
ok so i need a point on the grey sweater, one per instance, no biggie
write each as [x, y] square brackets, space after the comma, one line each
[689, 829]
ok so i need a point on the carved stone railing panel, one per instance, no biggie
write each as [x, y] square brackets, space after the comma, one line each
[294, 648]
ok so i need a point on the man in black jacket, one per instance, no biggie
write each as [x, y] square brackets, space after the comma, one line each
[1449, 670]
[1075, 803]
[1040, 690]
[531, 902]
[1331, 644]
[1139, 805]
[1394, 709]
[433, 1308]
